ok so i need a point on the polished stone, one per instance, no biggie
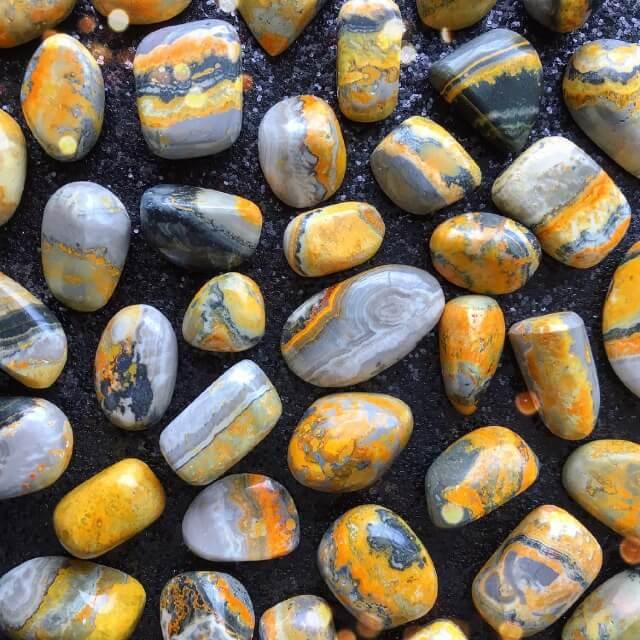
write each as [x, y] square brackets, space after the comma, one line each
[441, 629]
[25, 20]
[562, 15]
[298, 618]
[143, 11]
[453, 14]
[13, 166]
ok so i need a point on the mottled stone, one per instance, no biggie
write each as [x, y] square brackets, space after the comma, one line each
[298, 618]
[143, 11]
[25, 20]
[562, 15]
[453, 14]
[439, 630]
[13, 165]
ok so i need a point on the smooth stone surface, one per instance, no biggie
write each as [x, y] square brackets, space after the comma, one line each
[601, 89]
[25, 20]
[484, 252]
[57, 597]
[36, 442]
[477, 474]
[422, 168]
[439, 630]
[347, 441]
[557, 364]
[136, 366]
[494, 82]
[226, 421]
[200, 228]
[85, 239]
[189, 89]
[13, 165]
[377, 568]
[302, 152]
[108, 509]
[549, 560]
[298, 618]
[63, 98]
[243, 517]
[453, 14]
[227, 314]
[143, 11]
[333, 238]
[562, 15]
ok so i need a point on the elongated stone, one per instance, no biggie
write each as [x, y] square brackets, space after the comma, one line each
[301, 150]
[63, 98]
[453, 14]
[439, 630]
[298, 618]
[477, 474]
[13, 165]
[562, 15]
[549, 560]
[224, 423]
[378, 568]
[243, 517]
[422, 168]
[56, 597]
[189, 89]
[135, 367]
[495, 83]
[143, 11]
[36, 442]
[25, 20]
[200, 228]
[556, 362]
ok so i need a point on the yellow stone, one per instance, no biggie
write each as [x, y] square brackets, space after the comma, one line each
[13, 166]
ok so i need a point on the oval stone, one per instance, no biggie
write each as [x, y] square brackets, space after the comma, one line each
[298, 618]
[562, 15]
[353, 330]
[135, 367]
[453, 14]
[13, 165]
[440, 630]
[63, 98]
[347, 441]
[143, 11]
[25, 20]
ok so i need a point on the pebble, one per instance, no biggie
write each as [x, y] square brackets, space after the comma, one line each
[25, 20]
[143, 11]
[562, 15]
[453, 14]
[298, 618]
[13, 165]
[439, 630]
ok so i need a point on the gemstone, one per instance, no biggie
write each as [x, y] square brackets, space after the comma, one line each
[25, 20]
[85, 240]
[453, 14]
[13, 165]
[377, 567]
[562, 15]
[143, 12]
[422, 168]
[334, 238]
[135, 367]
[298, 618]
[477, 474]
[439, 630]
[200, 228]
[108, 509]
[347, 441]
[224, 423]
[56, 597]
[227, 314]
[495, 83]
[243, 517]
[36, 442]
[601, 89]
[471, 334]
[556, 362]
[484, 252]
[63, 98]
[301, 150]
[549, 560]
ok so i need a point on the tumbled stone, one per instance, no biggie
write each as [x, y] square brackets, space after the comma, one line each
[224, 423]
[227, 314]
[484, 252]
[422, 168]
[556, 362]
[542, 568]
[352, 331]
[347, 441]
[495, 83]
[189, 89]
[56, 597]
[25, 20]
[453, 14]
[135, 367]
[85, 240]
[63, 98]
[439, 630]
[36, 442]
[378, 568]
[298, 618]
[13, 166]
[243, 517]
[562, 15]
[143, 11]
[477, 474]
[334, 238]
[108, 509]
[206, 604]
[301, 150]
[200, 228]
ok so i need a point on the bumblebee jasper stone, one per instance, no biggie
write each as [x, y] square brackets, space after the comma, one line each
[562, 15]
[242, 517]
[56, 597]
[224, 423]
[575, 209]
[63, 98]
[143, 11]
[108, 509]
[542, 568]
[352, 331]
[423, 168]
[453, 14]
[301, 150]
[347, 441]
[555, 359]
[25, 20]
[495, 83]
[298, 618]
[13, 166]
[439, 630]
[377, 567]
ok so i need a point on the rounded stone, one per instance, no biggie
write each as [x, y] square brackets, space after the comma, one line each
[440, 630]
[562, 15]
[13, 166]
[298, 618]
[453, 14]
[25, 20]
[143, 11]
